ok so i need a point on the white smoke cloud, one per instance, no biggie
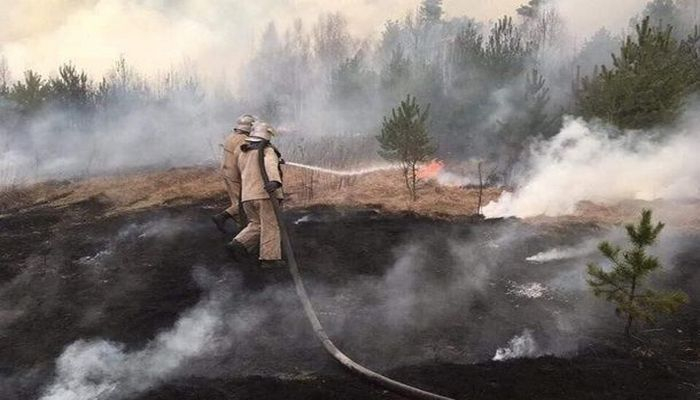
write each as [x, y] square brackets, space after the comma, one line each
[587, 162]
[584, 18]
[155, 35]
[102, 370]
[448, 178]
[134, 138]
[190, 38]
[520, 346]
[559, 253]
[585, 248]
[96, 34]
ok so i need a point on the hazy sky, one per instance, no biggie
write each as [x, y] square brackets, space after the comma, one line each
[155, 35]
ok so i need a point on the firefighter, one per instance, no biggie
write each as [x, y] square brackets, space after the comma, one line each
[231, 174]
[263, 230]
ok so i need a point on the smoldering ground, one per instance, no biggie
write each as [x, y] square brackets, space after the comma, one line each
[90, 313]
[110, 315]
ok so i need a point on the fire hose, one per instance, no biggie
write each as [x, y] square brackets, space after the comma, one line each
[373, 377]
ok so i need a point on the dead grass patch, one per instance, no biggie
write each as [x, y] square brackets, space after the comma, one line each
[385, 190]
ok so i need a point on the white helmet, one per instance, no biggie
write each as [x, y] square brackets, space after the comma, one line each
[261, 131]
[245, 123]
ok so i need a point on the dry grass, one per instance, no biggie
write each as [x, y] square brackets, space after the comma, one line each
[387, 191]
[382, 190]
[122, 192]
[679, 214]
[135, 191]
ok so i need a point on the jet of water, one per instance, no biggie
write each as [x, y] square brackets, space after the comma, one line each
[350, 172]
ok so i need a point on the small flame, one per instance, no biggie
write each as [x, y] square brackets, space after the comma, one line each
[430, 170]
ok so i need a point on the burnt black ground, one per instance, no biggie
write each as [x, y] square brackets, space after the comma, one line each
[73, 273]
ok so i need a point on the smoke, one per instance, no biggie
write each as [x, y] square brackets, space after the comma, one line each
[227, 331]
[180, 131]
[93, 33]
[589, 162]
[481, 283]
[558, 253]
[448, 178]
[519, 346]
[585, 248]
[100, 370]
[156, 35]
[583, 18]
[194, 67]
[449, 293]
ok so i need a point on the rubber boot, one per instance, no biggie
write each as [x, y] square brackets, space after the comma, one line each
[220, 221]
[237, 251]
[275, 272]
[273, 264]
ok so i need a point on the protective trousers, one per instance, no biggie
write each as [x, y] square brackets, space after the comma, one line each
[234, 193]
[262, 229]
[235, 210]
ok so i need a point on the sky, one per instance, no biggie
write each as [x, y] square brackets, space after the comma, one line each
[158, 35]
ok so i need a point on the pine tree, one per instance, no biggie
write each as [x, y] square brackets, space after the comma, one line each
[536, 100]
[390, 41]
[404, 139]
[506, 52]
[29, 95]
[70, 89]
[624, 285]
[350, 81]
[396, 74]
[648, 82]
[351, 86]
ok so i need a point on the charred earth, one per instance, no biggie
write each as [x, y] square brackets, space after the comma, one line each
[148, 305]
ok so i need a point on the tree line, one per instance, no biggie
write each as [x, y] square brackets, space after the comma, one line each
[492, 89]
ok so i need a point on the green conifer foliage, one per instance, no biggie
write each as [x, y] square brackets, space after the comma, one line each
[624, 285]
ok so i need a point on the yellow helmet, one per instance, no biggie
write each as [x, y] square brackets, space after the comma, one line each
[261, 131]
[245, 123]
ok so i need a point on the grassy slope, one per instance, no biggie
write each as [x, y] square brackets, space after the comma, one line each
[381, 190]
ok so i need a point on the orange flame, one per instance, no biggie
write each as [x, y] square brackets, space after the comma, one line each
[430, 170]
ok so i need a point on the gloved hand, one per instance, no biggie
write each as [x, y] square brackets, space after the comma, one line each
[272, 186]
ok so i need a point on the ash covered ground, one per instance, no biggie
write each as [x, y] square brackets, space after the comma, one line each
[147, 305]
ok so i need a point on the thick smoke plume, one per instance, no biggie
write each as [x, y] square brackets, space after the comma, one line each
[591, 162]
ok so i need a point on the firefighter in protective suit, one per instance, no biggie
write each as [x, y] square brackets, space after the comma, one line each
[263, 229]
[230, 173]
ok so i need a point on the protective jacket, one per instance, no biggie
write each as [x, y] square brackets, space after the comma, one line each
[230, 171]
[253, 187]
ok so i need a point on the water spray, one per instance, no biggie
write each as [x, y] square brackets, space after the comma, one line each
[351, 172]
